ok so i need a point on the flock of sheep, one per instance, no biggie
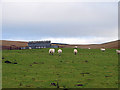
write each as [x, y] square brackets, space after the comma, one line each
[51, 51]
[117, 51]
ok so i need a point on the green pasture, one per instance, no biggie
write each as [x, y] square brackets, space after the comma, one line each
[35, 68]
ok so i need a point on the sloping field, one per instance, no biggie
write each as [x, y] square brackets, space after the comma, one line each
[37, 69]
[13, 44]
[113, 45]
[16, 43]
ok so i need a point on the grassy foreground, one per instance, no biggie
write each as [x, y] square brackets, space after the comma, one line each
[37, 69]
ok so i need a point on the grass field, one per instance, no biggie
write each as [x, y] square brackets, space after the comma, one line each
[37, 69]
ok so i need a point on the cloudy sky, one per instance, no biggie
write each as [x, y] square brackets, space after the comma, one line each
[60, 22]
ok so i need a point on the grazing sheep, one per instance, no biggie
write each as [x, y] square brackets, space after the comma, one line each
[118, 51]
[75, 46]
[75, 51]
[59, 51]
[51, 51]
[89, 48]
[102, 49]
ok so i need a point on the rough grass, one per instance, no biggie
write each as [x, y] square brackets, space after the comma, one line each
[37, 69]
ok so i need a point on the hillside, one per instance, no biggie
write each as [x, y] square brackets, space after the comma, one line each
[17, 44]
[12, 44]
[113, 45]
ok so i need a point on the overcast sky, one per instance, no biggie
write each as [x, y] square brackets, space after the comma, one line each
[60, 22]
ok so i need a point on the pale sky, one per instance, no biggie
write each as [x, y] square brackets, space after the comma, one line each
[61, 22]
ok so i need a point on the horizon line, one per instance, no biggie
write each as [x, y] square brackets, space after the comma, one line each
[60, 43]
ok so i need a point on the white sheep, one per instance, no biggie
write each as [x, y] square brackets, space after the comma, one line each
[51, 51]
[59, 51]
[75, 51]
[75, 46]
[102, 49]
[118, 51]
[89, 48]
